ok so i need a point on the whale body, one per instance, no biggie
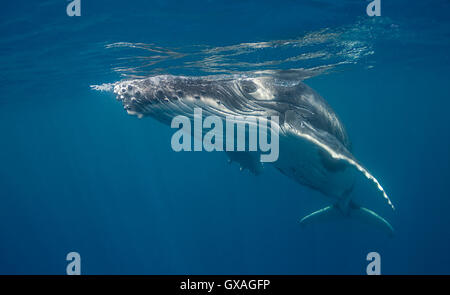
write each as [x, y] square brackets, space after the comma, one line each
[314, 148]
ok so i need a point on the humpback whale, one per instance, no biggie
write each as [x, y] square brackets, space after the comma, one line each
[314, 148]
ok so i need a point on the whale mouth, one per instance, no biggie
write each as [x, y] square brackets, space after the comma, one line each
[165, 96]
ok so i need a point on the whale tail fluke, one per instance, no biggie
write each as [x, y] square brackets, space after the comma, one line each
[335, 212]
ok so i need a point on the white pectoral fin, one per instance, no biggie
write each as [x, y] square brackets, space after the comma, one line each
[331, 146]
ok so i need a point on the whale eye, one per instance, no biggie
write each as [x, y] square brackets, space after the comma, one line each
[248, 86]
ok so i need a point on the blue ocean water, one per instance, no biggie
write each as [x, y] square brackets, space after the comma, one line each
[78, 174]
